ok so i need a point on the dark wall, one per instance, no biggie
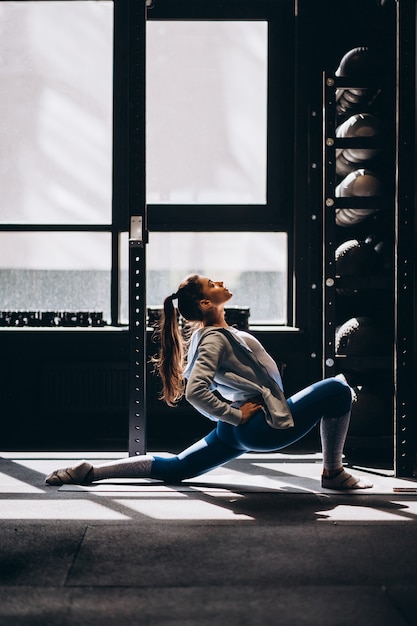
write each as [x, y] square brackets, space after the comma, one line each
[68, 390]
[63, 389]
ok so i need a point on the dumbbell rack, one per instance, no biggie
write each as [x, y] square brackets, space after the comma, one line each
[334, 363]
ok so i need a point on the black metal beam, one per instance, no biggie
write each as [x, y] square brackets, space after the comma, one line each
[405, 259]
[137, 226]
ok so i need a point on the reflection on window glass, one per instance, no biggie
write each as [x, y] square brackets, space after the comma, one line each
[56, 120]
[252, 265]
[42, 271]
[206, 112]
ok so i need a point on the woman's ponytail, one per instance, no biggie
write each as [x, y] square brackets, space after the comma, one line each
[169, 363]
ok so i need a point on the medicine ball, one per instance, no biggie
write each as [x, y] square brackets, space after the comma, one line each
[358, 62]
[359, 336]
[360, 183]
[343, 165]
[360, 125]
[354, 257]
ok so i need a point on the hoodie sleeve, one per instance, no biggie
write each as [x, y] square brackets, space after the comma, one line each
[199, 387]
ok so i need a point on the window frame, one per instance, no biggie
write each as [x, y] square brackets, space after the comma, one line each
[128, 179]
[275, 213]
[119, 149]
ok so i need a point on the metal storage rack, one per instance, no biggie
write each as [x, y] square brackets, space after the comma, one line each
[398, 205]
[356, 364]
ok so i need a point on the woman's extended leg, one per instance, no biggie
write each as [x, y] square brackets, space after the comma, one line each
[201, 457]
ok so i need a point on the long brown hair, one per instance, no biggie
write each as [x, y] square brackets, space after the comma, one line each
[170, 360]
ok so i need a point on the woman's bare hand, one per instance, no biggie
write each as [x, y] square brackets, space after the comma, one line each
[248, 409]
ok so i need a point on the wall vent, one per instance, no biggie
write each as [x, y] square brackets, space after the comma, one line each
[84, 387]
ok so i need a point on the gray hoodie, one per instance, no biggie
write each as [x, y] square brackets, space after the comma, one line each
[220, 361]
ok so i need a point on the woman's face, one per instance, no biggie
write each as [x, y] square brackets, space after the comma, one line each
[215, 291]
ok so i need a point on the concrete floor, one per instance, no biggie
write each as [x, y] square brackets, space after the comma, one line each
[257, 542]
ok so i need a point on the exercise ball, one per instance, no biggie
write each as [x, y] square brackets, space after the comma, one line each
[359, 125]
[359, 336]
[358, 63]
[360, 183]
[343, 165]
[356, 258]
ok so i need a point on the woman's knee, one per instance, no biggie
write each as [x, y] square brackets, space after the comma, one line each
[330, 397]
[341, 395]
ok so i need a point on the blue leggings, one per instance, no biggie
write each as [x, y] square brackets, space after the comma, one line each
[329, 398]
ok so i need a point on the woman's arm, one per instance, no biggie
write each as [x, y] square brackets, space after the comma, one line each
[199, 391]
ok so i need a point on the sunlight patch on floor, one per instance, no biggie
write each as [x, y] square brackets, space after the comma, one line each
[347, 513]
[8, 484]
[57, 510]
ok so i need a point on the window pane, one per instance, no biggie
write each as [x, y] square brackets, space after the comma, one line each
[252, 265]
[42, 271]
[206, 112]
[56, 112]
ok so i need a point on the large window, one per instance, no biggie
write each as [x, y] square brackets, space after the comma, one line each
[217, 150]
[212, 145]
[56, 112]
[206, 112]
[56, 67]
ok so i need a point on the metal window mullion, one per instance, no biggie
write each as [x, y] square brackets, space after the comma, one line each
[115, 279]
[137, 349]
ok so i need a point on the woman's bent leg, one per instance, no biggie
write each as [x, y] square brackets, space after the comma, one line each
[328, 402]
[329, 398]
[333, 431]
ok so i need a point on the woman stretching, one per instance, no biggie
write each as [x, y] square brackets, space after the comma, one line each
[230, 378]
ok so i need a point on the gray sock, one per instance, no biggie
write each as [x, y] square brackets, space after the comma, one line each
[131, 467]
[333, 431]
